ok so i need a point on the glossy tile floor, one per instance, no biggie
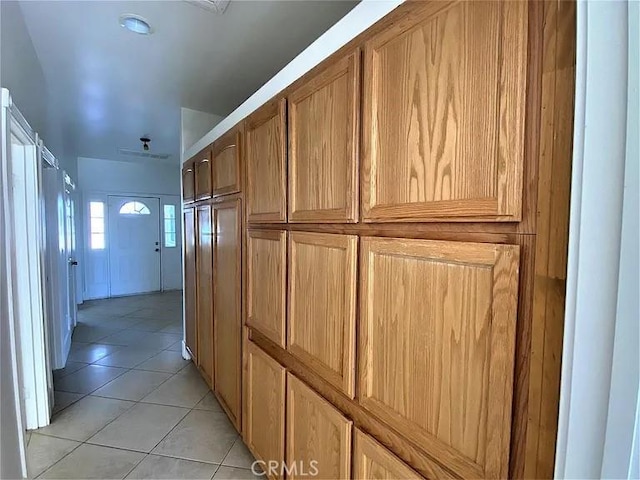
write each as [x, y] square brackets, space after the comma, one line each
[127, 405]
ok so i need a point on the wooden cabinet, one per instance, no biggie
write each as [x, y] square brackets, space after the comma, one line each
[204, 279]
[190, 305]
[436, 346]
[372, 461]
[323, 144]
[188, 181]
[226, 163]
[226, 306]
[202, 164]
[267, 283]
[322, 304]
[264, 392]
[318, 435]
[266, 156]
[444, 112]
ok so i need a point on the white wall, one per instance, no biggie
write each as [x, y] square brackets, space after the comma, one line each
[600, 369]
[194, 124]
[100, 178]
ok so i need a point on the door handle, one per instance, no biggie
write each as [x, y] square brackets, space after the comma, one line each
[157, 249]
[73, 262]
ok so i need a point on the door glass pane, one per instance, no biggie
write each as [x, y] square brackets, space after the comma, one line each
[134, 208]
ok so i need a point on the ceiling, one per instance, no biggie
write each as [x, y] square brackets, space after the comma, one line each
[110, 86]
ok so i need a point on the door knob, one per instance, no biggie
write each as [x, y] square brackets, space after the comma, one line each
[157, 249]
[73, 262]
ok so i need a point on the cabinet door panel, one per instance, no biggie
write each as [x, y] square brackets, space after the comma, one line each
[322, 298]
[203, 175]
[316, 432]
[267, 283]
[190, 270]
[226, 306]
[436, 346]
[204, 259]
[323, 144]
[226, 163]
[372, 461]
[443, 114]
[266, 153]
[265, 406]
[188, 182]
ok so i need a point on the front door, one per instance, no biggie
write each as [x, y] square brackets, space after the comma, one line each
[134, 245]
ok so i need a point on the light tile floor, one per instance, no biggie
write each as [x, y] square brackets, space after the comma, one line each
[127, 405]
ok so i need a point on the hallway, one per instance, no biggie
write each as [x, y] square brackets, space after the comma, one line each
[128, 405]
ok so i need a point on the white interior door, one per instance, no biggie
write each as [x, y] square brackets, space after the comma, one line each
[133, 234]
[70, 248]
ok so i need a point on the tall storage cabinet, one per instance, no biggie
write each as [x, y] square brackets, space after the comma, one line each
[204, 279]
[390, 230]
[227, 291]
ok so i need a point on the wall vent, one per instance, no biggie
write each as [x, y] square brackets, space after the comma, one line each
[216, 6]
[136, 153]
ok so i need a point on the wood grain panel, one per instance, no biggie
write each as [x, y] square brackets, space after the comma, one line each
[188, 182]
[204, 262]
[549, 287]
[443, 114]
[226, 306]
[322, 304]
[266, 157]
[372, 461]
[226, 163]
[264, 417]
[316, 431]
[190, 300]
[437, 346]
[267, 283]
[323, 144]
[202, 165]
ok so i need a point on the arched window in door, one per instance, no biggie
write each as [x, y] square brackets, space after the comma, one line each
[134, 208]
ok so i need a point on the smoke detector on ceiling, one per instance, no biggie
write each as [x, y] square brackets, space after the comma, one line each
[216, 6]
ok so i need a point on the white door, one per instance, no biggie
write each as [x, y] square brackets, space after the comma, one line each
[133, 234]
[70, 248]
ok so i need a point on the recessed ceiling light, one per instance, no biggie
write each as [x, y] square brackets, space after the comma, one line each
[136, 24]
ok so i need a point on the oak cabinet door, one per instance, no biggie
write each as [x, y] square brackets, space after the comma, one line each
[265, 381]
[372, 461]
[204, 262]
[322, 304]
[318, 435]
[227, 290]
[266, 154]
[203, 175]
[226, 163]
[190, 305]
[323, 144]
[267, 283]
[443, 114]
[188, 182]
[436, 346]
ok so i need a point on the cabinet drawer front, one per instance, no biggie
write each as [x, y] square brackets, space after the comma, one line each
[226, 164]
[226, 305]
[323, 144]
[267, 283]
[190, 281]
[372, 461]
[188, 182]
[436, 346]
[266, 153]
[203, 175]
[318, 435]
[322, 304]
[265, 406]
[204, 262]
[443, 114]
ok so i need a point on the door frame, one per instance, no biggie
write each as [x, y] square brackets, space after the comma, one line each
[108, 242]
